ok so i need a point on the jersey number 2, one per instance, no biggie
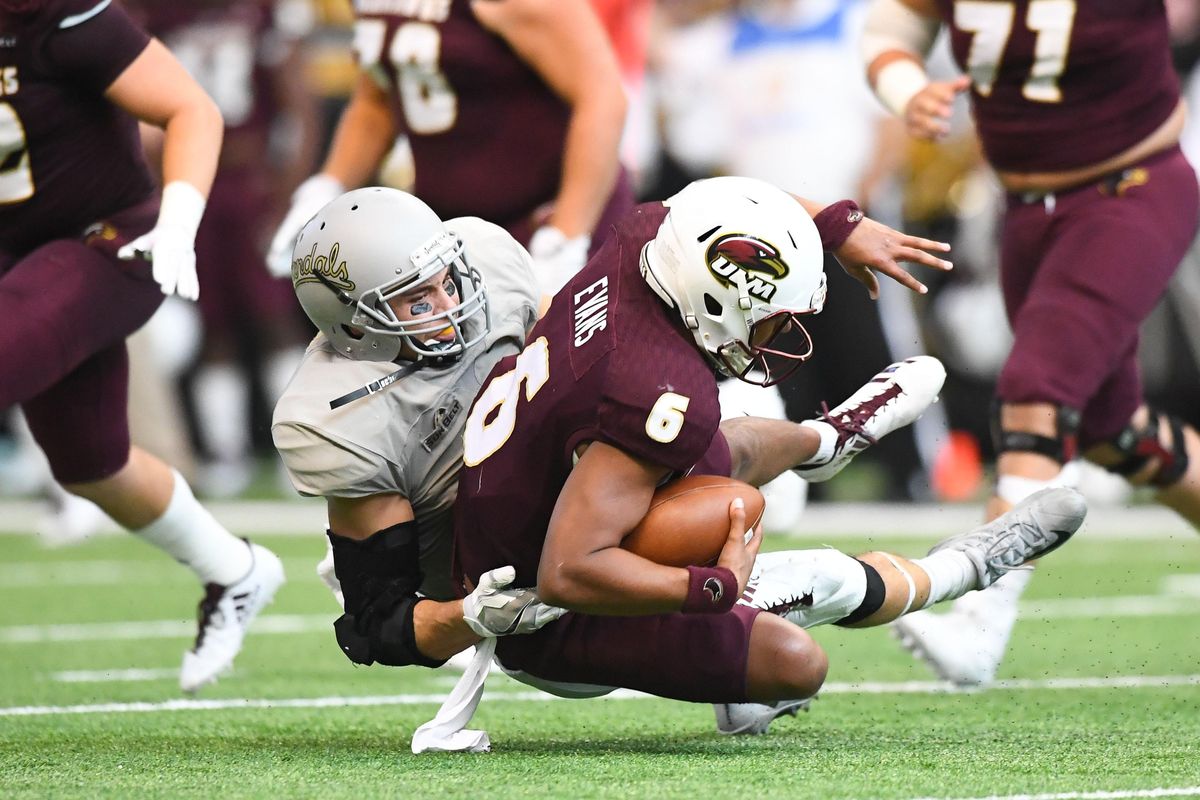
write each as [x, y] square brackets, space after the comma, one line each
[16, 175]
[991, 23]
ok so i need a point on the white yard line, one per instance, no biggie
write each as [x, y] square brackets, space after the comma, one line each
[833, 521]
[153, 629]
[902, 687]
[113, 675]
[1066, 608]
[1185, 791]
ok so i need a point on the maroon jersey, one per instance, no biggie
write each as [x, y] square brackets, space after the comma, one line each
[67, 156]
[1058, 84]
[608, 363]
[486, 132]
[231, 48]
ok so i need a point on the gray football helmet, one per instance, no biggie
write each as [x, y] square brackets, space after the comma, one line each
[369, 246]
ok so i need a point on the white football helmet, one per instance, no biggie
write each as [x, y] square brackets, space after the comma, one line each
[368, 246]
[741, 262]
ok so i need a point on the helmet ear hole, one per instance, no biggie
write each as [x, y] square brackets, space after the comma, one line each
[713, 306]
[353, 333]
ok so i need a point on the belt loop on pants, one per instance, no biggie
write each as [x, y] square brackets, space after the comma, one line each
[1047, 199]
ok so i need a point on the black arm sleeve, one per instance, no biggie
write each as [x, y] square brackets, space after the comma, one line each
[380, 576]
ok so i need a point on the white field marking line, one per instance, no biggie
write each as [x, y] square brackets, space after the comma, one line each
[154, 629]
[1185, 791]
[113, 675]
[1066, 608]
[109, 573]
[881, 521]
[903, 687]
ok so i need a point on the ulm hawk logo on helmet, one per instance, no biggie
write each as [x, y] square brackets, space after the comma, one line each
[304, 269]
[756, 258]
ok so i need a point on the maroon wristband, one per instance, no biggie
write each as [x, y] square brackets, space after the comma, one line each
[836, 222]
[711, 590]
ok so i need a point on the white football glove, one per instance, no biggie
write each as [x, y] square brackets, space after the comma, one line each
[328, 575]
[171, 245]
[494, 610]
[309, 198]
[556, 259]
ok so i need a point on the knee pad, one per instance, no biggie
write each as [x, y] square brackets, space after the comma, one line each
[1138, 445]
[1062, 447]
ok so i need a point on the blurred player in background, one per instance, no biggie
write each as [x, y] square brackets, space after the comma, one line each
[84, 263]
[246, 55]
[513, 110]
[1078, 110]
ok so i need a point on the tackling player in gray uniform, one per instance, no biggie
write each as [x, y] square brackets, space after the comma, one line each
[372, 419]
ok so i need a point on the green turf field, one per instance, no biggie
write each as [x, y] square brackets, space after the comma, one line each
[1100, 699]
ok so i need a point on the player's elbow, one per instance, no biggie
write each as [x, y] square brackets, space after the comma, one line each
[563, 584]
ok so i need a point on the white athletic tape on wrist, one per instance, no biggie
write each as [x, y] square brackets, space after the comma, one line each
[898, 83]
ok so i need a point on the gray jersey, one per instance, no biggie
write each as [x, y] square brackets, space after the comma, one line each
[407, 438]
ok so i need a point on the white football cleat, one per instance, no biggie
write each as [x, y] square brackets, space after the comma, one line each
[225, 614]
[753, 719]
[895, 397]
[958, 647]
[1034, 527]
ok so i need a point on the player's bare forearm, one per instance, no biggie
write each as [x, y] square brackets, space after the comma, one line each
[440, 630]
[762, 449]
[157, 90]
[583, 567]
[590, 163]
[565, 44]
[364, 135]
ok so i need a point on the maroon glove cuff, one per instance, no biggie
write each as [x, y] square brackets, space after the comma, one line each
[711, 590]
[836, 222]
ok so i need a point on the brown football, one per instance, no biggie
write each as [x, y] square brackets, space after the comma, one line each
[688, 520]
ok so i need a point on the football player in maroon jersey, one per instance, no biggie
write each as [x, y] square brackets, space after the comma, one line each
[251, 64]
[513, 110]
[615, 393]
[1078, 110]
[84, 262]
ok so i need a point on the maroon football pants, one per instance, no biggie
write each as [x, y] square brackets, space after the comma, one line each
[65, 310]
[1080, 272]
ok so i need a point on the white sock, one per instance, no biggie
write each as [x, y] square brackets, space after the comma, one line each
[997, 603]
[951, 575]
[194, 538]
[221, 405]
[829, 438]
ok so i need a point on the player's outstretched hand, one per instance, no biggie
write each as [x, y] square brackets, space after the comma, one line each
[927, 115]
[741, 548]
[873, 247]
[495, 610]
